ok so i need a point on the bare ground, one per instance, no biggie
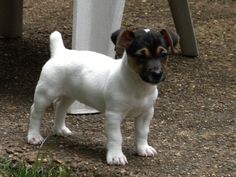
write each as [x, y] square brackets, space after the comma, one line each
[194, 124]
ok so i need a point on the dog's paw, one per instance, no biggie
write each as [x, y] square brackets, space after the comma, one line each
[146, 151]
[34, 138]
[64, 131]
[116, 158]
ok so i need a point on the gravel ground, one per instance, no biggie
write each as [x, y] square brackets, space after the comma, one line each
[194, 125]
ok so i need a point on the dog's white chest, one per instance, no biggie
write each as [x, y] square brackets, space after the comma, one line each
[140, 105]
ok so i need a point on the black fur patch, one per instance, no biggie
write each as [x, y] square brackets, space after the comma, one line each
[150, 40]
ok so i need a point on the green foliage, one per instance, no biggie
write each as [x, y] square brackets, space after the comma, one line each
[8, 168]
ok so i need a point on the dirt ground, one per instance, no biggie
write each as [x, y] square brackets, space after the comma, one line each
[194, 125]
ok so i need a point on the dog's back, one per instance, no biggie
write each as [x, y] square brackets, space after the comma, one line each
[86, 71]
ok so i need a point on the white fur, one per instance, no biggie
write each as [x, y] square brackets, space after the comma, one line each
[147, 30]
[108, 85]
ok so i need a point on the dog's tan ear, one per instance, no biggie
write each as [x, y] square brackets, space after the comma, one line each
[125, 38]
[172, 40]
[122, 38]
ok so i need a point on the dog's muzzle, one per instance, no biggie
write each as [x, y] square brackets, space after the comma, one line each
[153, 77]
[157, 76]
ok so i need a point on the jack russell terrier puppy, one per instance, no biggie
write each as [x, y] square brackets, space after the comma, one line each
[119, 88]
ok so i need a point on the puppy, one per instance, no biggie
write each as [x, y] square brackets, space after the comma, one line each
[119, 88]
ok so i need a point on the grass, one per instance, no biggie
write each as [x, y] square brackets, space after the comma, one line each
[8, 168]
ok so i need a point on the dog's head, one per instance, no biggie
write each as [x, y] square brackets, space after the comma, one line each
[146, 51]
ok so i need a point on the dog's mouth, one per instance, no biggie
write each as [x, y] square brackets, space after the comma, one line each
[153, 77]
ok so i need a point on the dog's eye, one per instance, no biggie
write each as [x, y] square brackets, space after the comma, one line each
[163, 54]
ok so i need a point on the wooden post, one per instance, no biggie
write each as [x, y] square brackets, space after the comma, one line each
[11, 17]
[184, 27]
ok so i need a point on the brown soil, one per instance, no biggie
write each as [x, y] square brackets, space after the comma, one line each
[194, 124]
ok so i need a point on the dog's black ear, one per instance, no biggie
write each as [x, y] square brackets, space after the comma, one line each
[172, 40]
[115, 35]
[122, 38]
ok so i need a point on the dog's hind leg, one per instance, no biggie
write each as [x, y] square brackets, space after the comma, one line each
[41, 102]
[61, 106]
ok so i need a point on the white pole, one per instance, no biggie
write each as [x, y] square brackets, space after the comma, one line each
[93, 23]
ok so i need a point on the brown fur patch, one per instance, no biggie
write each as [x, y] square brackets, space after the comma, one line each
[144, 51]
[133, 63]
[160, 49]
[125, 38]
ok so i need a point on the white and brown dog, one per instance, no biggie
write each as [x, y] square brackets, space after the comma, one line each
[119, 88]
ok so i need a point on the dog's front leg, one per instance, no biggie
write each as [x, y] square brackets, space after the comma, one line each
[142, 129]
[115, 155]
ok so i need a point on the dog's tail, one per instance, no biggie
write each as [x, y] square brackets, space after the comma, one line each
[56, 43]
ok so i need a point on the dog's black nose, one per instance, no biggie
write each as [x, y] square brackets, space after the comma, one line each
[158, 76]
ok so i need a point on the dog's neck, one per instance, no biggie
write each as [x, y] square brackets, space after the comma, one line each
[133, 77]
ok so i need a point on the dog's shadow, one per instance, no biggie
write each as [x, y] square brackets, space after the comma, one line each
[76, 146]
